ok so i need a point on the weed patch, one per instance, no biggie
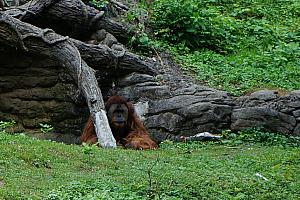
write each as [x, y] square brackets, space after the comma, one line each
[34, 169]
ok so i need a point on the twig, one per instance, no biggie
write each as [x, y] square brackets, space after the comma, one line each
[120, 5]
[160, 60]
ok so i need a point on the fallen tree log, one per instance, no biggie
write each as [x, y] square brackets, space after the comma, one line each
[101, 56]
[75, 14]
[97, 56]
[34, 40]
[69, 52]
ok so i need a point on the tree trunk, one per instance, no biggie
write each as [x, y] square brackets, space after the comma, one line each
[69, 52]
[74, 13]
[101, 56]
[26, 37]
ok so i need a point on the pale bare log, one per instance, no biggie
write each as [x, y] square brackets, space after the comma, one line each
[28, 38]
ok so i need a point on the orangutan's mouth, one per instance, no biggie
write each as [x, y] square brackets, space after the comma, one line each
[119, 122]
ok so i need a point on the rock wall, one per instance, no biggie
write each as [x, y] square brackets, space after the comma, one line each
[36, 90]
[188, 109]
[269, 110]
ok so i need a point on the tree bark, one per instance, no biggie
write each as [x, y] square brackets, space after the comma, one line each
[74, 13]
[69, 52]
[96, 56]
[101, 56]
[26, 37]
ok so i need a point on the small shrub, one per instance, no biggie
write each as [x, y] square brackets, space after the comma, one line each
[4, 125]
[260, 136]
[46, 128]
[89, 149]
[99, 3]
[193, 23]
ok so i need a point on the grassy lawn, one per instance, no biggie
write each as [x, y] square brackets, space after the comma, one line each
[34, 169]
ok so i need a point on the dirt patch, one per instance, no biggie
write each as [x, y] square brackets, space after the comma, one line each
[1, 183]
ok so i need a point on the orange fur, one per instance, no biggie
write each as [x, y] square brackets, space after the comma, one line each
[134, 135]
[89, 135]
[139, 140]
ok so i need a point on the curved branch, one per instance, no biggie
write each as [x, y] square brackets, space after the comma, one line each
[30, 9]
[102, 54]
[61, 49]
[72, 12]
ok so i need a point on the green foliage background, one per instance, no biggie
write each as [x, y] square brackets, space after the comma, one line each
[235, 45]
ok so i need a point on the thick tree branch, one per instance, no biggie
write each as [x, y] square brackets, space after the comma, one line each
[73, 12]
[102, 56]
[31, 9]
[29, 38]
[76, 12]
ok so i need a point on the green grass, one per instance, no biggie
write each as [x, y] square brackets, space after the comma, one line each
[234, 45]
[34, 169]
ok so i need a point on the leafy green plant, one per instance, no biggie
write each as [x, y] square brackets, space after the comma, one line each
[193, 23]
[138, 17]
[99, 3]
[89, 149]
[4, 125]
[141, 41]
[259, 136]
[91, 190]
[46, 128]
